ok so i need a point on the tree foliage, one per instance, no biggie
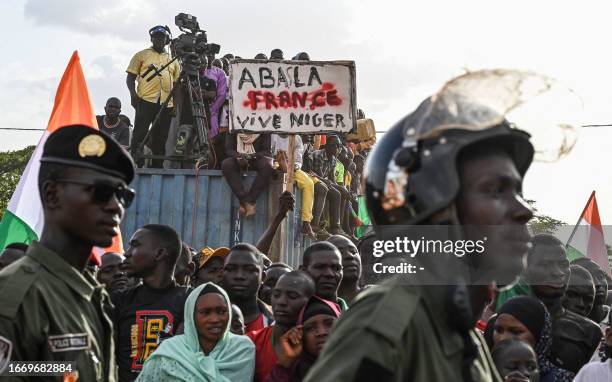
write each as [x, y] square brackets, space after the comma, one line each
[12, 165]
[542, 223]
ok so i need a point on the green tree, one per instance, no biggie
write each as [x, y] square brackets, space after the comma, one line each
[12, 165]
[542, 223]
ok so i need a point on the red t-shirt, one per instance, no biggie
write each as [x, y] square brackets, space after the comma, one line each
[256, 324]
[265, 357]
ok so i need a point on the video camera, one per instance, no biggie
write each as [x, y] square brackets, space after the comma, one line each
[194, 39]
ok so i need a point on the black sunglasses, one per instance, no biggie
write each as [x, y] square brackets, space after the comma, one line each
[102, 193]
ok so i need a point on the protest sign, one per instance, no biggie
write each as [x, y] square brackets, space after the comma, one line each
[294, 97]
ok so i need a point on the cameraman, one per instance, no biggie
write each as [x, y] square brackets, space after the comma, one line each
[150, 95]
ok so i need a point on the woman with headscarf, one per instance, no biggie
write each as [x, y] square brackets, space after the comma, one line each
[207, 351]
[301, 345]
[525, 318]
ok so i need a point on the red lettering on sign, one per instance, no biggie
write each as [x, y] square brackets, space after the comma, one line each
[327, 95]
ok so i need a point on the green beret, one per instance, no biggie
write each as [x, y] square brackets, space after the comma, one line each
[83, 146]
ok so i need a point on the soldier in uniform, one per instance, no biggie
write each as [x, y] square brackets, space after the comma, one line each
[441, 167]
[51, 309]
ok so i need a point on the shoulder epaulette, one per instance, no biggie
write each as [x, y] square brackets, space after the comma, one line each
[15, 283]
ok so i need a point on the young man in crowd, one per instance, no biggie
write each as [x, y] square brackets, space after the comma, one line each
[323, 262]
[387, 333]
[598, 313]
[53, 309]
[273, 273]
[111, 124]
[112, 276]
[185, 267]
[12, 253]
[575, 338]
[148, 98]
[580, 292]
[351, 268]
[111, 262]
[289, 296]
[153, 310]
[242, 276]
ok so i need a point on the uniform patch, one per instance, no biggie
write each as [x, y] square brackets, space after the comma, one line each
[69, 342]
[6, 347]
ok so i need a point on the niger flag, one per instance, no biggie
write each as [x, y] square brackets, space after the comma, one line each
[587, 239]
[23, 219]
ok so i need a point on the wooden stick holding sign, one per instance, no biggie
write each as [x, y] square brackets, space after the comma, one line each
[290, 164]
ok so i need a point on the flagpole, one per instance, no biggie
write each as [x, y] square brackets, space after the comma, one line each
[579, 218]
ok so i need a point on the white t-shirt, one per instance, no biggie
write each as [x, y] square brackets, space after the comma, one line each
[279, 143]
[595, 372]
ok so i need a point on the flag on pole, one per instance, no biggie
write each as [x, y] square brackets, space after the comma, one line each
[23, 220]
[587, 239]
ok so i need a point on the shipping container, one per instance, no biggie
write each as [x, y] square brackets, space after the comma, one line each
[202, 208]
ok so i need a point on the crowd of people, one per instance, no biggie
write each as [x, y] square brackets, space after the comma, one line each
[328, 169]
[166, 311]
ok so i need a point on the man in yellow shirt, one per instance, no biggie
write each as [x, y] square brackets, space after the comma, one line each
[148, 97]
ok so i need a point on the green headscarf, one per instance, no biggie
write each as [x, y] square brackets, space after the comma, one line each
[180, 358]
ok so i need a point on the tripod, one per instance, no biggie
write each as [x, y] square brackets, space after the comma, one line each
[189, 147]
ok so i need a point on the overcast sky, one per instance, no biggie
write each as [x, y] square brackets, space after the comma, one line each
[404, 51]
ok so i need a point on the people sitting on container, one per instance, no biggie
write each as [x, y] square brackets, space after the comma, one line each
[247, 152]
[343, 174]
[280, 148]
[323, 174]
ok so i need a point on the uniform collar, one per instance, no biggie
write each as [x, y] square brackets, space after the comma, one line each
[62, 270]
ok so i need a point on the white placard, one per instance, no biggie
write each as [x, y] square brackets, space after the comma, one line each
[294, 97]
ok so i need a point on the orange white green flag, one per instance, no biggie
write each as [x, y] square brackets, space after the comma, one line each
[23, 220]
[587, 238]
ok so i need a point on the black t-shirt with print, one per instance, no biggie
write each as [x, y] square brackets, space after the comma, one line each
[143, 317]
